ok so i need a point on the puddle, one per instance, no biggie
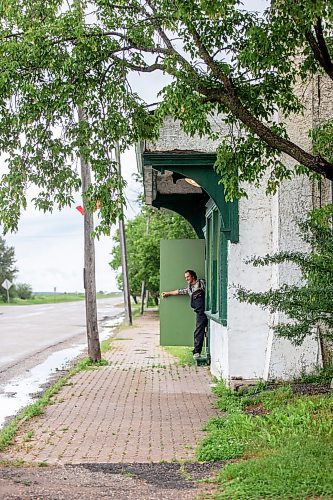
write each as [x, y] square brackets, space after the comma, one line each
[22, 391]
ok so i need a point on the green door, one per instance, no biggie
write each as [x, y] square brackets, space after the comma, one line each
[177, 319]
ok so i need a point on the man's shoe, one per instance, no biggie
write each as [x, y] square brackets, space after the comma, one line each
[196, 355]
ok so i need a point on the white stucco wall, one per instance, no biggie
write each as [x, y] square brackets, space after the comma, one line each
[173, 138]
[219, 350]
[296, 197]
[248, 325]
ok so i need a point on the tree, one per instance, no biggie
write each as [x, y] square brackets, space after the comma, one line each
[310, 305]
[23, 290]
[7, 266]
[56, 56]
[53, 62]
[143, 247]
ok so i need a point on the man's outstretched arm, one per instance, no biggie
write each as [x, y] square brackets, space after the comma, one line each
[167, 294]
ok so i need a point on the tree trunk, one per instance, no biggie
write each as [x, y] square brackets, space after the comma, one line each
[94, 350]
[325, 346]
[143, 290]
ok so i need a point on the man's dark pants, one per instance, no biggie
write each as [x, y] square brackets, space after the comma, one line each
[198, 304]
[199, 332]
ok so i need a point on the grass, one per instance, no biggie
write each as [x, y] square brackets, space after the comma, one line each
[106, 344]
[182, 353]
[54, 298]
[296, 470]
[284, 451]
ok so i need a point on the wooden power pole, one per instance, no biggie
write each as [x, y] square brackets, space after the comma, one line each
[143, 285]
[123, 253]
[94, 350]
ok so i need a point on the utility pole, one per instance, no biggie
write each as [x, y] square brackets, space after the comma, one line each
[143, 290]
[94, 350]
[143, 287]
[123, 253]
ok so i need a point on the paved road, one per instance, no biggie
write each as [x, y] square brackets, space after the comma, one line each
[27, 330]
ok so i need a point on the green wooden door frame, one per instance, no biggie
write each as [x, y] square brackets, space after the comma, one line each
[200, 168]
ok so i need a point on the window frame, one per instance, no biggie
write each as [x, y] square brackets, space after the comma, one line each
[216, 266]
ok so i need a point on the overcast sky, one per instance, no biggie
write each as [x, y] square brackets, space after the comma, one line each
[49, 247]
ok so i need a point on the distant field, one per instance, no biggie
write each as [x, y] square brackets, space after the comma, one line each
[58, 297]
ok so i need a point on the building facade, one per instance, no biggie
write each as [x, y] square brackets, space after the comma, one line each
[179, 174]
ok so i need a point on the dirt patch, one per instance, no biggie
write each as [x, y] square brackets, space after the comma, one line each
[162, 481]
[256, 410]
[311, 389]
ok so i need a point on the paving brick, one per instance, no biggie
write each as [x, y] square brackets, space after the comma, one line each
[142, 407]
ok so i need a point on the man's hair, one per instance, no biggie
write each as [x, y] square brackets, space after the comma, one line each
[192, 273]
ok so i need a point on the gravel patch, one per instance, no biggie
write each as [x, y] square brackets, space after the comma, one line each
[147, 481]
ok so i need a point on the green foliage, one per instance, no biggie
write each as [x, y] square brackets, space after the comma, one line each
[143, 235]
[23, 290]
[322, 139]
[7, 267]
[319, 376]
[56, 57]
[286, 447]
[309, 305]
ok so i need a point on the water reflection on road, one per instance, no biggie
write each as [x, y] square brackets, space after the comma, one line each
[21, 391]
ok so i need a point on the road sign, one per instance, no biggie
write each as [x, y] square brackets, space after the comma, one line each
[7, 284]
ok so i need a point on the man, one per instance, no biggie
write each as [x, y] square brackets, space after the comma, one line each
[196, 291]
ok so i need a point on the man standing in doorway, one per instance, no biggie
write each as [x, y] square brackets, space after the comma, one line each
[196, 291]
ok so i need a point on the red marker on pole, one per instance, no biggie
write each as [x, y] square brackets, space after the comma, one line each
[80, 209]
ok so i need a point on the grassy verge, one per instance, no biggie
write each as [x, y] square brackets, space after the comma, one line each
[183, 354]
[8, 433]
[280, 443]
[52, 299]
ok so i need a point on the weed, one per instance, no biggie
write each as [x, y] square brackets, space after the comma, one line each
[89, 364]
[128, 474]
[227, 437]
[28, 436]
[319, 376]
[42, 464]
[18, 462]
[184, 472]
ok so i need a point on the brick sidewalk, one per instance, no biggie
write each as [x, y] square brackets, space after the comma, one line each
[140, 408]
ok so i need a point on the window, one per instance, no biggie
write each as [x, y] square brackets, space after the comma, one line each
[216, 266]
